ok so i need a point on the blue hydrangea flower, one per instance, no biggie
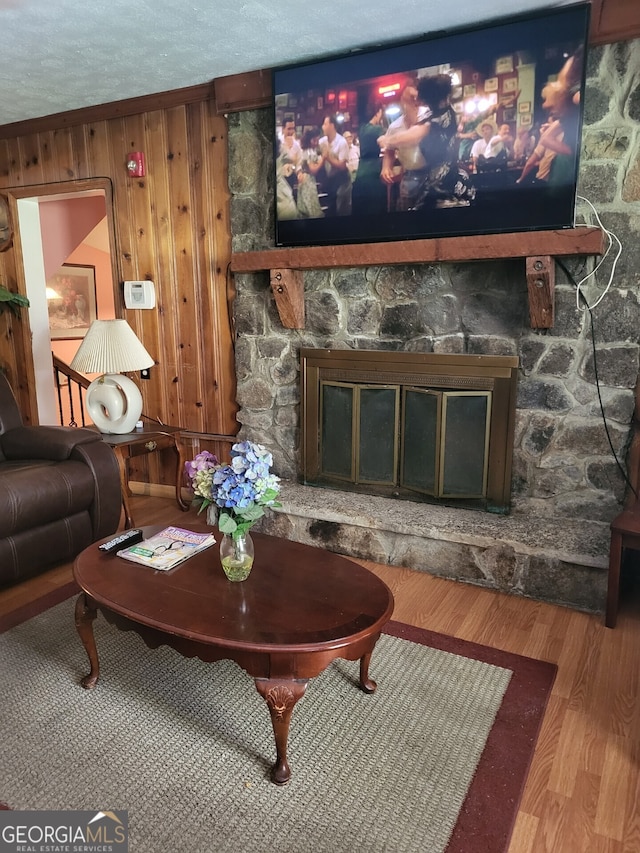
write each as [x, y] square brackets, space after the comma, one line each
[240, 489]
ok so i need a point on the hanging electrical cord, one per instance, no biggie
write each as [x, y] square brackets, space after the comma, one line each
[611, 239]
[588, 308]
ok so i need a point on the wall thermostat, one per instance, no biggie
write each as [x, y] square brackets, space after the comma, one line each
[139, 294]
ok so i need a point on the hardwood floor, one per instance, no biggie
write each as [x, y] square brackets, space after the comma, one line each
[583, 790]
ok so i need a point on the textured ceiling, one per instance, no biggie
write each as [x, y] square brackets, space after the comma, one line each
[59, 55]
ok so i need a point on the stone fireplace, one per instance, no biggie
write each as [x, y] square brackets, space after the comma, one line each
[565, 484]
[565, 487]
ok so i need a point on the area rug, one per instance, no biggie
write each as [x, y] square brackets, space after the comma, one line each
[435, 760]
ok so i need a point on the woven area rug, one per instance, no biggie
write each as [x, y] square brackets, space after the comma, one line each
[433, 761]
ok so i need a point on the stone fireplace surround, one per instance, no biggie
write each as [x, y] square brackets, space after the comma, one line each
[566, 487]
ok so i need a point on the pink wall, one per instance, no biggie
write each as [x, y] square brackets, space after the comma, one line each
[64, 225]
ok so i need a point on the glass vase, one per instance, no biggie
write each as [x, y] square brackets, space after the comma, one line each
[236, 556]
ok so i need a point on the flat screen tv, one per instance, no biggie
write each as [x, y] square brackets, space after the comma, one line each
[472, 131]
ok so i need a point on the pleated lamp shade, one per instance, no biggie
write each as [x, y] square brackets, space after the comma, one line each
[114, 402]
[111, 346]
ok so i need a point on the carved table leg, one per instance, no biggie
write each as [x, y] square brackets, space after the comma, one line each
[124, 486]
[86, 612]
[367, 684]
[184, 506]
[281, 696]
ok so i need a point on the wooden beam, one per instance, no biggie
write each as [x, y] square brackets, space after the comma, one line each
[541, 281]
[288, 288]
[239, 92]
[570, 241]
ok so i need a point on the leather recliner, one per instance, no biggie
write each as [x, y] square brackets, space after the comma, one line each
[59, 492]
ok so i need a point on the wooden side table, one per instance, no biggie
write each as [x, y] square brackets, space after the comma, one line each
[145, 440]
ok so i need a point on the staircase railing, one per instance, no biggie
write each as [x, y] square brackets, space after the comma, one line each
[71, 389]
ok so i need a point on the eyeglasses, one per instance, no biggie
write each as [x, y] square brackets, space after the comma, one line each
[160, 549]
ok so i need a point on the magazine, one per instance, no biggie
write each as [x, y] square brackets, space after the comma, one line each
[167, 548]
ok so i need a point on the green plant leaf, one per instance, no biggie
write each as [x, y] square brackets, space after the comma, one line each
[226, 523]
[251, 513]
[242, 528]
[13, 300]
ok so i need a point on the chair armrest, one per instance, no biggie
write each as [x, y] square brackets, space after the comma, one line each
[45, 442]
[100, 458]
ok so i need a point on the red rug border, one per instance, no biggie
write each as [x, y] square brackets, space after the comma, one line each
[38, 605]
[504, 765]
[488, 814]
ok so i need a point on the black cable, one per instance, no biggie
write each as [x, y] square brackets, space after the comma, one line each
[569, 275]
[230, 297]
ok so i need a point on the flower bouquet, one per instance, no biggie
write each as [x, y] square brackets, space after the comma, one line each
[235, 497]
[238, 492]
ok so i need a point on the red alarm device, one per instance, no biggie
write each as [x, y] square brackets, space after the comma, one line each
[135, 164]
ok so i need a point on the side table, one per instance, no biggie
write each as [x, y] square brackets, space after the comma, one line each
[145, 440]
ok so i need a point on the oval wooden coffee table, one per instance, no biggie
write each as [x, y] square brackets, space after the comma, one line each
[300, 608]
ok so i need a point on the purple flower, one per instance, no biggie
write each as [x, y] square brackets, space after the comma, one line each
[203, 461]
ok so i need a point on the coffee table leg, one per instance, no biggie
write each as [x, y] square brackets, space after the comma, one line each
[367, 684]
[281, 696]
[86, 612]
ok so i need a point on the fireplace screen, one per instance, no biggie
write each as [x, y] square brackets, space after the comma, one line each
[440, 431]
[432, 441]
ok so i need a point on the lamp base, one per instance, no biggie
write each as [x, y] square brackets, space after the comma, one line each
[114, 403]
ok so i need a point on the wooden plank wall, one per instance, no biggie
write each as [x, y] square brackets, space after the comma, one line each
[172, 227]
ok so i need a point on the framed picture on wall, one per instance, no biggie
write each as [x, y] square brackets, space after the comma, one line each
[71, 301]
[504, 65]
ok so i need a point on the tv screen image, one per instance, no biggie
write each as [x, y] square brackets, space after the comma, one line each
[473, 131]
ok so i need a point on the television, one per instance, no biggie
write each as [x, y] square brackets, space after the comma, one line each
[469, 131]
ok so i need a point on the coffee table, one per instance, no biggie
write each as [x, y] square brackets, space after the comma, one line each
[300, 608]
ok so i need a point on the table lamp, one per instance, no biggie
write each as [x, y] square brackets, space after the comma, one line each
[114, 401]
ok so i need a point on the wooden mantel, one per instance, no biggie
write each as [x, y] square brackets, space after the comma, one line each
[538, 247]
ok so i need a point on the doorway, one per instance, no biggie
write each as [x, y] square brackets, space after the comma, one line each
[64, 228]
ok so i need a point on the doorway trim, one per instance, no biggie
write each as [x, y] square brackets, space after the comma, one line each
[30, 333]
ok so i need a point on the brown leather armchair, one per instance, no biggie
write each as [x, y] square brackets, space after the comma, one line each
[59, 492]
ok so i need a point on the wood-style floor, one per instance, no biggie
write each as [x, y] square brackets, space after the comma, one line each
[583, 790]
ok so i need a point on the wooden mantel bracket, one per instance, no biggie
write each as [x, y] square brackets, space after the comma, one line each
[288, 289]
[541, 282]
[539, 248]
